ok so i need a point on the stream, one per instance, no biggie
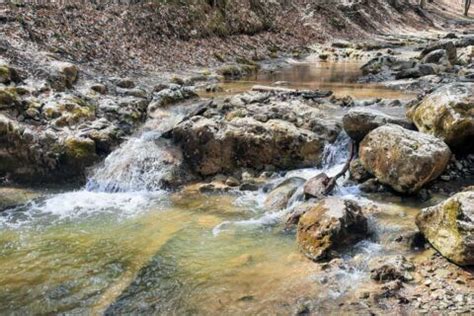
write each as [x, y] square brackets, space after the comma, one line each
[123, 245]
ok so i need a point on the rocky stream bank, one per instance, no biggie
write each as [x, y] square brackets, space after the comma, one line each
[56, 124]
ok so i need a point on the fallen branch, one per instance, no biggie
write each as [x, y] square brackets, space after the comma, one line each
[321, 185]
[260, 88]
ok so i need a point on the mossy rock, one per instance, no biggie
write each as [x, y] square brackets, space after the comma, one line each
[11, 197]
[4, 74]
[8, 74]
[80, 150]
[237, 71]
[448, 113]
[403, 159]
[8, 97]
[449, 227]
[330, 225]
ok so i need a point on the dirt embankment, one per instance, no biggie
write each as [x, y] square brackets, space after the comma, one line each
[173, 36]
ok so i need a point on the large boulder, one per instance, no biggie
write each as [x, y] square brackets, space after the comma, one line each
[358, 122]
[403, 159]
[448, 113]
[447, 46]
[420, 70]
[449, 227]
[436, 56]
[331, 225]
[253, 131]
[213, 147]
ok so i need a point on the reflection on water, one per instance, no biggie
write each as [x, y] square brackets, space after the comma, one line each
[339, 77]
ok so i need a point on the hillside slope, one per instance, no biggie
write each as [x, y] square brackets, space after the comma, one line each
[120, 39]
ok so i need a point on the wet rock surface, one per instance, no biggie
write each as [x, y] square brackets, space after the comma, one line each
[279, 197]
[358, 122]
[241, 144]
[54, 129]
[330, 225]
[255, 130]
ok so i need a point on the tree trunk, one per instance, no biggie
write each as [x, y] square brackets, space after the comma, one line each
[467, 5]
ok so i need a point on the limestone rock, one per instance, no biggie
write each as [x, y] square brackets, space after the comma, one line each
[316, 186]
[449, 227]
[330, 225]
[358, 122]
[448, 113]
[358, 172]
[62, 75]
[403, 159]
[390, 268]
[435, 56]
[447, 46]
[252, 131]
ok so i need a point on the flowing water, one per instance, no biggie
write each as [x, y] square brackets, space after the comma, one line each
[123, 245]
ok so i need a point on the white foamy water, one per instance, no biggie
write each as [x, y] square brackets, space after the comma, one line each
[137, 165]
[334, 157]
[79, 205]
[140, 163]
[86, 203]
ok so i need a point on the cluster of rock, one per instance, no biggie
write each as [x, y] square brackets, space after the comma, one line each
[255, 130]
[440, 62]
[53, 126]
[403, 154]
[407, 160]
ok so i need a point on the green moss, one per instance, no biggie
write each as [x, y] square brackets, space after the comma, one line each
[4, 74]
[177, 80]
[8, 97]
[230, 71]
[79, 148]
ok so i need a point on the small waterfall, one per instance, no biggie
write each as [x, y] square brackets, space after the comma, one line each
[138, 165]
[142, 162]
[337, 153]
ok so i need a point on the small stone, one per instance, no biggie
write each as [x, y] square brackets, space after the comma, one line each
[232, 182]
[248, 186]
[445, 177]
[99, 88]
[125, 83]
[460, 281]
